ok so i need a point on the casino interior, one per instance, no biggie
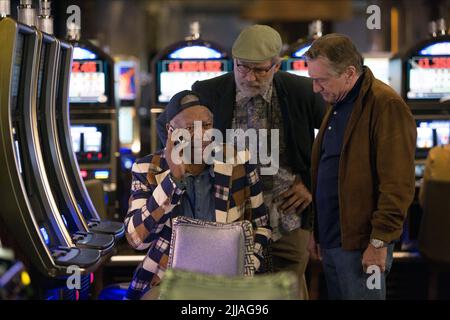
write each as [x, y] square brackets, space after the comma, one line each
[83, 82]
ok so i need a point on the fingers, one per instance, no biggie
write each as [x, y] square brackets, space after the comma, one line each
[304, 205]
[292, 209]
[287, 193]
[291, 203]
[296, 202]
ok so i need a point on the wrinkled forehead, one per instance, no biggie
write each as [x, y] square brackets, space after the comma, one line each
[320, 67]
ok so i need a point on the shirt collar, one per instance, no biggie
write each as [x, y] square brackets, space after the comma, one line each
[352, 95]
[209, 169]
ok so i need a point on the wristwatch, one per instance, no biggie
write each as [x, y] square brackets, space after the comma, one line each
[376, 243]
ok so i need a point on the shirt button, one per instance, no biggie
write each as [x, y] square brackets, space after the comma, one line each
[335, 113]
[329, 128]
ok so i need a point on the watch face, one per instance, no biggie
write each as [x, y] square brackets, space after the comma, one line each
[377, 243]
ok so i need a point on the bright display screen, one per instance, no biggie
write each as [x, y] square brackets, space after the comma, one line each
[432, 133]
[87, 82]
[178, 75]
[127, 81]
[87, 136]
[379, 67]
[428, 77]
[296, 66]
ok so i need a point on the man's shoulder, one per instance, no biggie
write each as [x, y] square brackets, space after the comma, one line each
[385, 96]
[213, 83]
[290, 80]
[152, 162]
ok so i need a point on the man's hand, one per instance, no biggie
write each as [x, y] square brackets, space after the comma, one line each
[314, 248]
[177, 170]
[297, 197]
[374, 256]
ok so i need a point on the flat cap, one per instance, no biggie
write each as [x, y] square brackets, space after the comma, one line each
[257, 43]
[175, 106]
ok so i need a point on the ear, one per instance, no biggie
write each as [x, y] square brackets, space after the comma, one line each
[167, 127]
[277, 67]
[351, 72]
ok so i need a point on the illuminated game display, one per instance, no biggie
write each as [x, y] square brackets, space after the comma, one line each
[427, 75]
[88, 78]
[378, 63]
[126, 74]
[296, 63]
[180, 68]
[89, 142]
[431, 133]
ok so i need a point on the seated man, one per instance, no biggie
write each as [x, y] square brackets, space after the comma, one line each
[164, 187]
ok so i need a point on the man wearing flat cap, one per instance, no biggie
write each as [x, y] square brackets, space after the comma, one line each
[164, 187]
[257, 95]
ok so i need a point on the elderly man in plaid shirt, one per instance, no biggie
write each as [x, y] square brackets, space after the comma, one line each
[163, 189]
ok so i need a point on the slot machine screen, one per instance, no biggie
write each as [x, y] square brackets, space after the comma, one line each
[379, 67]
[126, 127]
[126, 73]
[87, 82]
[179, 69]
[179, 75]
[428, 73]
[88, 78]
[90, 142]
[431, 133]
[296, 64]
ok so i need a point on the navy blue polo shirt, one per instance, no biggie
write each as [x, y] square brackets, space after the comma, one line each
[327, 197]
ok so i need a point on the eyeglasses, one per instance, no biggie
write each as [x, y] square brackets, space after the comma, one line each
[259, 72]
[205, 126]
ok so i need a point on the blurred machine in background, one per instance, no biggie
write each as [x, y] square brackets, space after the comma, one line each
[127, 95]
[293, 61]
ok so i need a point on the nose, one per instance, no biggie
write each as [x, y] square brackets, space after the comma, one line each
[316, 86]
[250, 76]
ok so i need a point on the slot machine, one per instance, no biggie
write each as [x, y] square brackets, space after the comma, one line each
[294, 61]
[46, 219]
[178, 66]
[93, 118]
[28, 208]
[53, 161]
[422, 77]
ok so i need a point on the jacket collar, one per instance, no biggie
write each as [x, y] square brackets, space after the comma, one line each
[358, 105]
[358, 108]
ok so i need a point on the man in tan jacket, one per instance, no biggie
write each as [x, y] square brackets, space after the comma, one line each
[362, 170]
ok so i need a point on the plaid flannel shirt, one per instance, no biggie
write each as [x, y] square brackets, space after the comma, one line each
[154, 195]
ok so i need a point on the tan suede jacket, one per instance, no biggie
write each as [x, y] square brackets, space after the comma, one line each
[376, 169]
